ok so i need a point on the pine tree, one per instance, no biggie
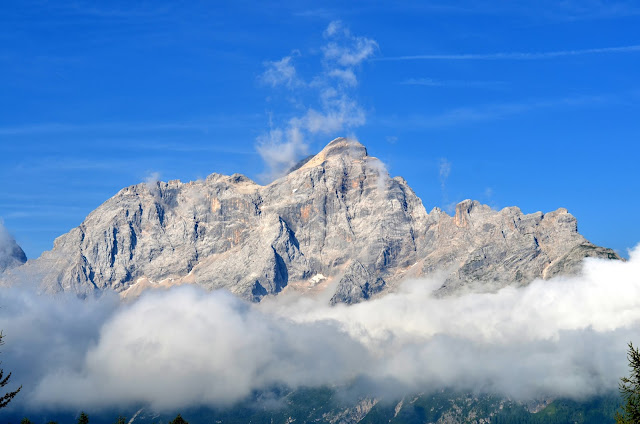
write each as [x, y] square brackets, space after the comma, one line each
[178, 420]
[121, 420]
[4, 400]
[630, 390]
[83, 418]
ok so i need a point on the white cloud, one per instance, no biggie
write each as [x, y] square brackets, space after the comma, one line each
[346, 75]
[444, 170]
[281, 149]
[334, 28]
[182, 347]
[328, 101]
[346, 49]
[382, 180]
[167, 349]
[337, 113]
[151, 181]
[280, 72]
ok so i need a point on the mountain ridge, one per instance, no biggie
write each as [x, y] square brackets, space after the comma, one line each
[335, 219]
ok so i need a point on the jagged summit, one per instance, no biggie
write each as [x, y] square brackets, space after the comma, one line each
[338, 217]
[340, 147]
[343, 148]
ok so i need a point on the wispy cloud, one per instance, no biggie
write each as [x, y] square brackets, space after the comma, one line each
[127, 13]
[580, 10]
[188, 125]
[327, 98]
[281, 148]
[191, 148]
[488, 112]
[516, 55]
[37, 166]
[319, 13]
[281, 72]
[430, 82]
[549, 10]
[444, 171]
[151, 181]
[345, 48]
[71, 213]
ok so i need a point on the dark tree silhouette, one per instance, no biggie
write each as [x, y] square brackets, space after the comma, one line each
[630, 390]
[83, 418]
[178, 420]
[4, 400]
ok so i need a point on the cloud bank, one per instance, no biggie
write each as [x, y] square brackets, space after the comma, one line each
[325, 102]
[185, 347]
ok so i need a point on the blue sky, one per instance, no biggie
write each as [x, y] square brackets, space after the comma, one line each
[534, 104]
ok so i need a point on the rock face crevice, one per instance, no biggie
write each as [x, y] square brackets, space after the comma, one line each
[337, 214]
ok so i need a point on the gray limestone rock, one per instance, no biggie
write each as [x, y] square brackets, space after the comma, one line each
[337, 216]
[357, 284]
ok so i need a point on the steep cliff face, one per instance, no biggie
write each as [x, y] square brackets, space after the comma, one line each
[338, 217]
[482, 248]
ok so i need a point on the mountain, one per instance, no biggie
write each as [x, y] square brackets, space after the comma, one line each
[11, 254]
[335, 220]
[328, 405]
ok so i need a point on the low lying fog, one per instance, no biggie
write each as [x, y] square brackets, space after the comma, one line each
[182, 347]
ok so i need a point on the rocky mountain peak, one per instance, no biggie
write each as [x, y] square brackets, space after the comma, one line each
[336, 218]
[340, 148]
[467, 208]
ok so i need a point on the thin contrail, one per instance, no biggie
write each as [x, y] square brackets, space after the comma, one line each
[515, 55]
